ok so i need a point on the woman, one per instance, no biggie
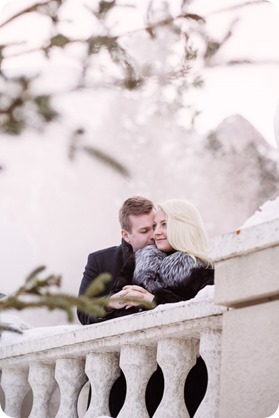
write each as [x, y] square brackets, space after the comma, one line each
[176, 269]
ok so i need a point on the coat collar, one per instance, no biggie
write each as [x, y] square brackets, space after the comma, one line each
[127, 249]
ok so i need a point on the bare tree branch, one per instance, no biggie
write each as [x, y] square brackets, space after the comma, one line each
[237, 7]
[23, 12]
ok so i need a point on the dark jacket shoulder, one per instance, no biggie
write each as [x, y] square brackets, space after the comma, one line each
[108, 260]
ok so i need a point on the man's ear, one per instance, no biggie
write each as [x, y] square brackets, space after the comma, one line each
[125, 235]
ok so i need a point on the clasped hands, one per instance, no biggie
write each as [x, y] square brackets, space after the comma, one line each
[121, 299]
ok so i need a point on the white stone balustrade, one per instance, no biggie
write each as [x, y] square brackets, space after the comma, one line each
[102, 370]
[15, 386]
[42, 382]
[176, 357]
[210, 350]
[166, 335]
[70, 376]
[138, 362]
[232, 328]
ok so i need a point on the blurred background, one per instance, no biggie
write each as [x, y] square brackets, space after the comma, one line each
[102, 100]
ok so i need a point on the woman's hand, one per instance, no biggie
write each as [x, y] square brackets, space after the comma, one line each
[134, 291]
[118, 300]
[115, 301]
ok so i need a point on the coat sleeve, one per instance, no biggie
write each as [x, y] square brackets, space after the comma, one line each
[187, 289]
[90, 273]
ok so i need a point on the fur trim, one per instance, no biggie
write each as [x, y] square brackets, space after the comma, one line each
[155, 269]
[147, 271]
[177, 267]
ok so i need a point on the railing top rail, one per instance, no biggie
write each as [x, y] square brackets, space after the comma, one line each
[184, 318]
[245, 240]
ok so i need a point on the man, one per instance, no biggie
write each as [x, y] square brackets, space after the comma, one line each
[136, 217]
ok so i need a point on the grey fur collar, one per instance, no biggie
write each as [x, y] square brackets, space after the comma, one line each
[155, 269]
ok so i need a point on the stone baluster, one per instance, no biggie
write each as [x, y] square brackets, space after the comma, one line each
[41, 379]
[102, 370]
[15, 386]
[70, 376]
[138, 364]
[176, 357]
[210, 350]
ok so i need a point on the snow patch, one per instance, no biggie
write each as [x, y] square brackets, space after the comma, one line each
[268, 211]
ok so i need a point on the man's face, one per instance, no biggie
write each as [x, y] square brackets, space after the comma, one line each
[141, 230]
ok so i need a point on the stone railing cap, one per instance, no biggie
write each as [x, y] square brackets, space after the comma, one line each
[245, 240]
[166, 316]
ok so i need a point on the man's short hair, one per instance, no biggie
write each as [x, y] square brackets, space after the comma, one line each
[135, 205]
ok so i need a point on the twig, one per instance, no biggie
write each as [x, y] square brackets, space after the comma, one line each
[237, 6]
[22, 12]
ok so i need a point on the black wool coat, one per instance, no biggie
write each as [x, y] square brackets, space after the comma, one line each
[109, 260]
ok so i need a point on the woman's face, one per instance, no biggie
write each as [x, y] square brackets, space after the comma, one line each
[160, 232]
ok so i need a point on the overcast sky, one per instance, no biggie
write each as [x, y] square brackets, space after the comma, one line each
[253, 92]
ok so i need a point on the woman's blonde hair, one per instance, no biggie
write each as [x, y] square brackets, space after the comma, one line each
[185, 228]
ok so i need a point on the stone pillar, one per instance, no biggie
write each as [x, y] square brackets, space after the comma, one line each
[41, 379]
[176, 357]
[70, 376]
[210, 350]
[15, 386]
[250, 361]
[102, 370]
[246, 281]
[138, 364]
